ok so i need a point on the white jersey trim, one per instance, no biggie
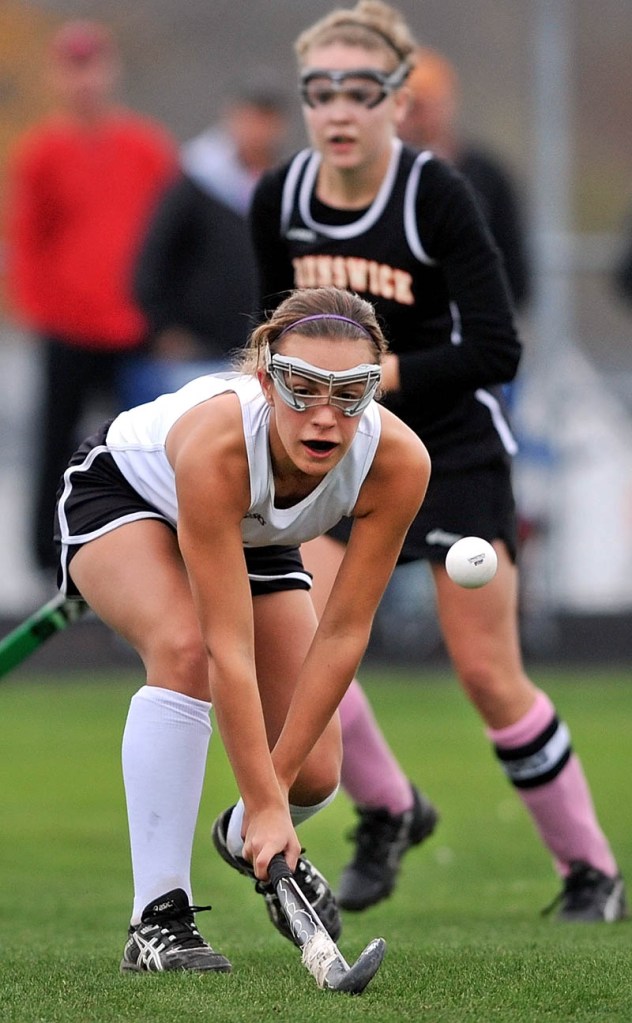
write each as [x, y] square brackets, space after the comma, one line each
[289, 187]
[340, 231]
[411, 229]
[500, 423]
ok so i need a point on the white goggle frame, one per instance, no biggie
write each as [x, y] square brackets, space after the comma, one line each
[387, 84]
[283, 368]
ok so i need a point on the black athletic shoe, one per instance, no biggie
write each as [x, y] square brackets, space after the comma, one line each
[167, 939]
[311, 882]
[589, 896]
[381, 839]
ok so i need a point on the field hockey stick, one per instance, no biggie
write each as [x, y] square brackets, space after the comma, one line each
[30, 634]
[320, 954]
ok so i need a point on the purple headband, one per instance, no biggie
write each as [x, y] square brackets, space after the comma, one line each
[326, 316]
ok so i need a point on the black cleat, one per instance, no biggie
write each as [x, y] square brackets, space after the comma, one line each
[311, 882]
[589, 896]
[381, 840]
[167, 939]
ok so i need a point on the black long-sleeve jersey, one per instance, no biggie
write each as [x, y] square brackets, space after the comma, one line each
[423, 255]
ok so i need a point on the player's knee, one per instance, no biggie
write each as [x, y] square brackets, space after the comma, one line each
[179, 657]
[313, 791]
[318, 778]
[325, 784]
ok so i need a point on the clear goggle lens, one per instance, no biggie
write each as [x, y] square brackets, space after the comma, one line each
[300, 384]
[365, 87]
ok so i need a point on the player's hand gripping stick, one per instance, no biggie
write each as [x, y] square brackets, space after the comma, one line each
[320, 953]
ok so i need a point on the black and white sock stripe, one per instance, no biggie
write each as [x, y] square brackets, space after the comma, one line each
[540, 760]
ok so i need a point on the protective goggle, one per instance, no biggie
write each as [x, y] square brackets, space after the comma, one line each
[299, 384]
[365, 87]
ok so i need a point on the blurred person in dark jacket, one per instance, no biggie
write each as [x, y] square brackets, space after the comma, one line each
[195, 274]
[431, 122]
[623, 263]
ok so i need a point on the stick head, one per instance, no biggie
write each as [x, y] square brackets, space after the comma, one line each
[355, 979]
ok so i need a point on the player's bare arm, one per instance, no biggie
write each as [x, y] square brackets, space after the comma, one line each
[208, 455]
[390, 498]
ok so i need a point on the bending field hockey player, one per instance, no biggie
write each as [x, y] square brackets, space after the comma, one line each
[180, 524]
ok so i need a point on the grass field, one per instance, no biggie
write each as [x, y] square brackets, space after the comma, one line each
[466, 941]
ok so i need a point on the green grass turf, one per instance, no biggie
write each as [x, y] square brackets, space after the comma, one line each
[465, 938]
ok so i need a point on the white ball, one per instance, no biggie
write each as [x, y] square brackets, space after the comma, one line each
[471, 562]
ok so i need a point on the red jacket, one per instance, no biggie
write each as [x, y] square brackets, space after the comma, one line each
[79, 199]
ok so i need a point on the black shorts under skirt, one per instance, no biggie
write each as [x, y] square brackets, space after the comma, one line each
[94, 497]
[472, 502]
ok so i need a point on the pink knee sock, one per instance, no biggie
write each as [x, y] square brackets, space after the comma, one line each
[562, 809]
[370, 773]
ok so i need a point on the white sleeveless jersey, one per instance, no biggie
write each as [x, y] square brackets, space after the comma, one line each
[137, 441]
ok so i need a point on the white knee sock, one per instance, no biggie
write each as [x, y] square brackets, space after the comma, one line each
[165, 744]
[298, 814]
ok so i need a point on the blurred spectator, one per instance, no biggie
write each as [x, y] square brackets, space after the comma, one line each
[195, 276]
[229, 158]
[623, 265]
[431, 122]
[81, 185]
